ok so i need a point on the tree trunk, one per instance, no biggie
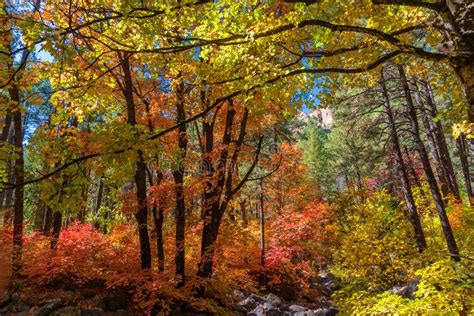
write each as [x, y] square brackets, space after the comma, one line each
[440, 168]
[48, 220]
[243, 214]
[430, 177]
[140, 173]
[57, 223]
[402, 173]
[463, 156]
[178, 175]
[262, 226]
[440, 139]
[19, 173]
[39, 216]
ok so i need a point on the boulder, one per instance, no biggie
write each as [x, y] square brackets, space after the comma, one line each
[412, 287]
[331, 311]
[297, 308]
[259, 299]
[48, 306]
[268, 306]
[257, 311]
[275, 312]
[115, 300]
[249, 303]
[272, 298]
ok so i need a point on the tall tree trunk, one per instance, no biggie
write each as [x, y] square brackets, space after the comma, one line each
[441, 142]
[140, 172]
[8, 197]
[213, 211]
[262, 226]
[39, 216]
[430, 177]
[243, 214]
[178, 175]
[19, 171]
[57, 223]
[48, 220]
[463, 156]
[397, 156]
[442, 171]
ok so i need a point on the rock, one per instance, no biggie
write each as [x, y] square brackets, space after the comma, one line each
[239, 309]
[4, 311]
[47, 306]
[268, 305]
[297, 308]
[5, 299]
[275, 312]
[258, 298]
[67, 311]
[95, 311]
[325, 277]
[116, 300]
[249, 303]
[257, 311]
[238, 295]
[272, 298]
[412, 287]
[331, 311]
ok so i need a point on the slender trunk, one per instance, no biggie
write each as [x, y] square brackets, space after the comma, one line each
[402, 173]
[39, 216]
[440, 168]
[57, 223]
[430, 177]
[463, 156]
[19, 172]
[411, 167]
[442, 145]
[178, 175]
[213, 211]
[8, 198]
[98, 203]
[158, 218]
[140, 172]
[243, 214]
[48, 220]
[262, 226]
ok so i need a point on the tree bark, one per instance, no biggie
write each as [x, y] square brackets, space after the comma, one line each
[262, 226]
[440, 167]
[430, 177]
[463, 156]
[57, 223]
[442, 145]
[19, 174]
[48, 220]
[140, 172]
[397, 157]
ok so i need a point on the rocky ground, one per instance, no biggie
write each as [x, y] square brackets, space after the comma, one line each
[116, 303]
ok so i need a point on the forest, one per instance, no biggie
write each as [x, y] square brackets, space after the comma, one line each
[236, 157]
